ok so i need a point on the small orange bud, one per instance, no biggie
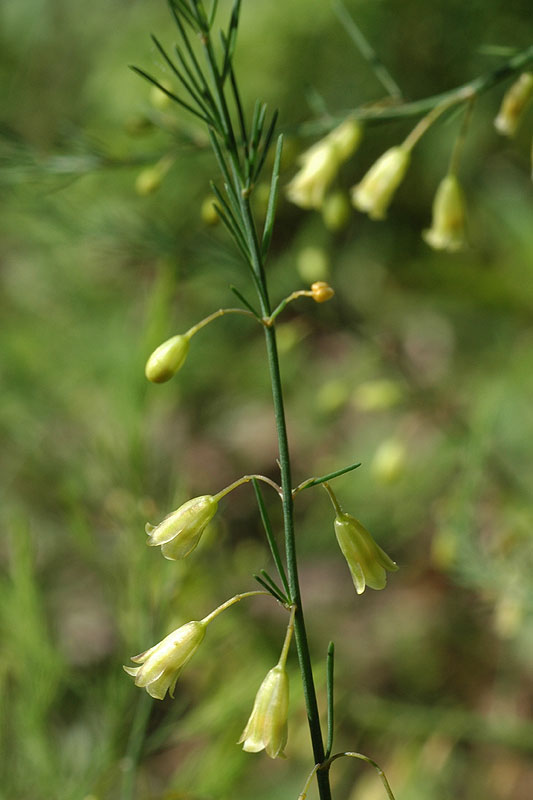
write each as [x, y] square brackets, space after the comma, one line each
[321, 291]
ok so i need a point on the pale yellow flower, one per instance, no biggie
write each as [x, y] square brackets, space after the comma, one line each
[267, 727]
[161, 665]
[374, 192]
[447, 230]
[513, 104]
[179, 533]
[367, 561]
[320, 165]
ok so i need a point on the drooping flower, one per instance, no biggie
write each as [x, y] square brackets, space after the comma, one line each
[179, 533]
[374, 192]
[161, 665]
[367, 561]
[447, 230]
[267, 726]
[513, 104]
[320, 164]
[167, 359]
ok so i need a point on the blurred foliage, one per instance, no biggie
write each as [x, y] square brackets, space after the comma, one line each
[422, 355]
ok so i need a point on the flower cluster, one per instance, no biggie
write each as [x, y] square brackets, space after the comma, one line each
[321, 163]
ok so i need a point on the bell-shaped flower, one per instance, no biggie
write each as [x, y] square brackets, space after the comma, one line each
[513, 104]
[267, 727]
[161, 665]
[367, 561]
[179, 533]
[320, 164]
[374, 192]
[167, 359]
[447, 230]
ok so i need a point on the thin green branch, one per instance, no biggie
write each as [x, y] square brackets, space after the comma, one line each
[383, 112]
[367, 51]
[185, 12]
[265, 519]
[272, 582]
[272, 199]
[330, 665]
[213, 12]
[228, 217]
[367, 760]
[270, 589]
[316, 481]
[232, 192]
[170, 94]
[244, 301]
[186, 85]
[230, 39]
[266, 146]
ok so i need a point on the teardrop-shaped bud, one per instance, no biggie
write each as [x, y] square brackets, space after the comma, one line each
[513, 104]
[167, 359]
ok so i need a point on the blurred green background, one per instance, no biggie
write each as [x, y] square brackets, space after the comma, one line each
[420, 367]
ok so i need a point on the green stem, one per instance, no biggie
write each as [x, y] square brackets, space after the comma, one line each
[220, 313]
[236, 599]
[287, 643]
[247, 479]
[384, 113]
[300, 633]
[367, 760]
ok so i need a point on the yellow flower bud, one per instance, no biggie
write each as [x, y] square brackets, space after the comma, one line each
[447, 230]
[151, 178]
[161, 665]
[321, 291]
[266, 728]
[167, 359]
[320, 164]
[375, 191]
[513, 104]
[148, 181]
[179, 533]
[208, 211]
[366, 560]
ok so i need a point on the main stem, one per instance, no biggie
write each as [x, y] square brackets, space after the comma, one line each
[300, 634]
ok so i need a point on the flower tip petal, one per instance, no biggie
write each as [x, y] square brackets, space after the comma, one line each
[252, 746]
[156, 692]
[131, 670]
